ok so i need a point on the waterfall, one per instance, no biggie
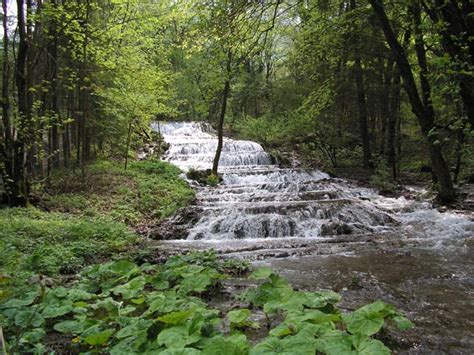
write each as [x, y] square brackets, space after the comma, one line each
[258, 199]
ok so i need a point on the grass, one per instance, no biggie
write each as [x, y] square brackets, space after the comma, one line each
[34, 242]
[86, 219]
[144, 194]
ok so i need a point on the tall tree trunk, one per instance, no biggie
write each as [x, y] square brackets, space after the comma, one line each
[385, 105]
[53, 58]
[129, 136]
[11, 185]
[84, 92]
[422, 109]
[361, 100]
[392, 124]
[20, 174]
[220, 124]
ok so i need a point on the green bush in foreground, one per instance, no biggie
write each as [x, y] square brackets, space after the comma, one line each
[122, 308]
[54, 243]
[148, 191]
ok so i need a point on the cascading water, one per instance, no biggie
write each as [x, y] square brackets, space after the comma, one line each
[258, 199]
[322, 232]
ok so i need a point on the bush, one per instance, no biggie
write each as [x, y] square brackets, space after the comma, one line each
[122, 308]
[147, 192]
[32, 241]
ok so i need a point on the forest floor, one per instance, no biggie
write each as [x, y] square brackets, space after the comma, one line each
[82, 219]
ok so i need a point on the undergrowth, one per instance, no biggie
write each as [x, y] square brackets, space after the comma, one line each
[147, 192]
[33, 241]
[123, 308]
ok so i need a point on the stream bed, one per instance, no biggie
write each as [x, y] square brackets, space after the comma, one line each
[326, 233]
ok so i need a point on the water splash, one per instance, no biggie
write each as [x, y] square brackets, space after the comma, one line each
[258, 199]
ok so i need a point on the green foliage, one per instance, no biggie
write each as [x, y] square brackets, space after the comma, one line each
[120, 307]
[148, 191]
[32, 241]
[212, 180]
[382, 178]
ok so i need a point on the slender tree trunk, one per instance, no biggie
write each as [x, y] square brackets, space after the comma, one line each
[84, 92]
[361, 101]
[425, 114]
[20, 175]
[11, 185]
[220, 124]
[129, 136]
[392, 126]
[385, 105]
[53, 58]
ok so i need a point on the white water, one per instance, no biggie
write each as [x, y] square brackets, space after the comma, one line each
[258, 199]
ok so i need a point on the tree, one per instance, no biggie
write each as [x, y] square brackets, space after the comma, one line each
[422, 106]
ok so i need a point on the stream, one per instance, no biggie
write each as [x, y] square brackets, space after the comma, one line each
[326, 233]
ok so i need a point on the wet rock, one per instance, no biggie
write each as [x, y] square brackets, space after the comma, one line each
[176, 227]
[335, 228]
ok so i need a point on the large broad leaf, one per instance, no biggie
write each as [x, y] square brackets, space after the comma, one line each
[99, 338]
[122, 267]
[239, 317]
[137, 326]
[28, 299]
[321, 299]
[234, 345]
[402, 322]
[33, 336]
[298, 344]
[372, 347]
[368, 319]
[277, 290]
[291, 302]
[195, 283]
[261, 273]
[69, 327]
[131, 289]
[79, 295]
[184, 351]
[57, 311]
[335, 342]
[177, 337]
[28, 318]
[178, 317]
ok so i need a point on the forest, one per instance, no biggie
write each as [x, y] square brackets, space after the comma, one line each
[129, 124]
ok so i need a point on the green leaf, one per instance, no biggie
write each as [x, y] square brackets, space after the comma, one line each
[57, 311]
[303, 345]
[79, 295]
[368, 319]
[234, 345]
[131, 289]
[334, 342]
[239, 317]
[69, 327]
[99, 338]
[261, 273]
[137, 326]
[60, 292]
[178, 317]
[177, 337]
[28, 318]
[372, 347]
[321, 299]
[21, 302]
[403, 323]
[196, 283]
[184, 351]
[122, 267]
